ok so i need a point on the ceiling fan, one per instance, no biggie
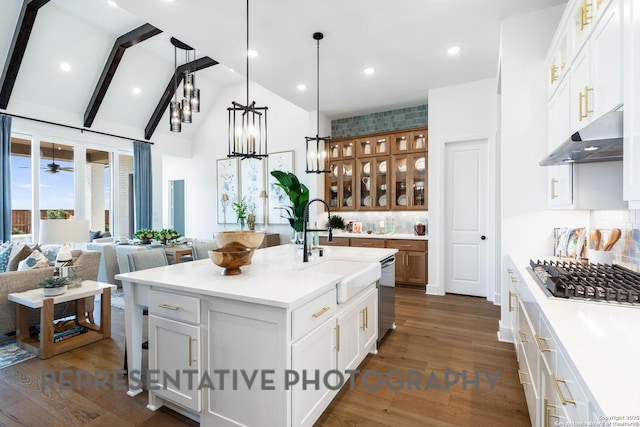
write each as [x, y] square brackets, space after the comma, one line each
[54, 167]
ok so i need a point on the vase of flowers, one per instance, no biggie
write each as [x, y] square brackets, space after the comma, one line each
[166, 235]
[144, 235]
[241, 209]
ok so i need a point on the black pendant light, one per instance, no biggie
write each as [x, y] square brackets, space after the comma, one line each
[182, 112]
[247, 123]
[318, 147]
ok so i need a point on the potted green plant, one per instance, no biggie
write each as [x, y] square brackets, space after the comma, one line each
[337, 222]
[298, 195]
[241, 209]
[144, 235]
[166, 235]
[54, 285]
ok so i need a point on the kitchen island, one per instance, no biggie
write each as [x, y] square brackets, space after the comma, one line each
[273, 338]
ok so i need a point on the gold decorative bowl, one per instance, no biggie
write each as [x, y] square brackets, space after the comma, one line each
[249, 239]
[230, 258]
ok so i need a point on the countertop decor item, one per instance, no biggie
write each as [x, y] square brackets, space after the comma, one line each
[144, 235]
[337, 222]
[298, 195]
[230, 258]
[54, 285]
[241, 209]
[166, 235]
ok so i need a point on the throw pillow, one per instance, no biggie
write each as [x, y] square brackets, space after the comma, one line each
[15, 258]
[50, 252]
[4, 258]
[33, 261]
[94, 235]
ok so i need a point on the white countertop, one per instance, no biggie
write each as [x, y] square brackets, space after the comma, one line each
[275, 277]
[377, 236]
[601, 339]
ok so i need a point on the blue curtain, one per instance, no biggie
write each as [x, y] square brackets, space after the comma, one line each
[5, 178]
[142, 185]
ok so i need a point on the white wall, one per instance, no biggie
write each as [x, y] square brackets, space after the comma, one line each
[287, 126]
[527, 224]
[456, 113]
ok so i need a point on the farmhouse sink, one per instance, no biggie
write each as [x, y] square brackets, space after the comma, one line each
[356, 275]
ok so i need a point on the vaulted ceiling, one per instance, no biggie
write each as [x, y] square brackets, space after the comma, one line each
[405, 41]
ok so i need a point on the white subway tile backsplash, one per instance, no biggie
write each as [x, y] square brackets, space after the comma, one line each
[627, 249]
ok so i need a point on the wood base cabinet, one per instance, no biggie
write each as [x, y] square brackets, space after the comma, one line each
[411, 261]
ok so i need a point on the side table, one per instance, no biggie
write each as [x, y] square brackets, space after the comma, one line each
[45, 347]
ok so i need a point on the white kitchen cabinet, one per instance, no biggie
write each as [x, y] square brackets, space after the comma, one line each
[560, 183]
[175, 348]
[357, 325]
[631, 173]
[314, 353]
[596, 71]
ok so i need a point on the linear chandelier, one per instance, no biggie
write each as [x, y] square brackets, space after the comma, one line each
[181, 112]
[318, 147]
[247, 123]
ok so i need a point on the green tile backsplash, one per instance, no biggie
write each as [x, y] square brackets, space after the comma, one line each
[386, 121]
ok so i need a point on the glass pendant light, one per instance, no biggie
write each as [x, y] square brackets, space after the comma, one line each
[247, 128]
[175, 112]
[318, 147]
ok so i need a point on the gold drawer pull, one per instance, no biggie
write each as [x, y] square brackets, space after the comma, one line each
[321, 312]
[169, 307]
[191, 359]
[337, 337]
[540, 345]
[520, 373]
[363, 327]
[366, 316]
[560, 395]
[523, 337]
[547, 413]
[510, 271]
[510, 305]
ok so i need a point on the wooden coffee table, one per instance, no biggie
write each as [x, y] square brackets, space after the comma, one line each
[45, 347]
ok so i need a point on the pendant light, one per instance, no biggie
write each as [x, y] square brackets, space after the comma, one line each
[318, 147]
[247, 123]
[182, 112]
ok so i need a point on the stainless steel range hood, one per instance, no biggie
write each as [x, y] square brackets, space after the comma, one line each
[600, 141]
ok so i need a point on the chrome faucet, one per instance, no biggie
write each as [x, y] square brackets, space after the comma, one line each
[305, 219]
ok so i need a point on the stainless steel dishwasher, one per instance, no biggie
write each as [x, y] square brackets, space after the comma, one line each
[387, 297]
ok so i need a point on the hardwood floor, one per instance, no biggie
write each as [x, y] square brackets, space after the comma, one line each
[434, 337]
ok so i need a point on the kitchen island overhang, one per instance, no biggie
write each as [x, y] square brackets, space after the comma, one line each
[265, 319]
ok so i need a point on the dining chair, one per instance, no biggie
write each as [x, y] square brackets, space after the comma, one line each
[199, 250]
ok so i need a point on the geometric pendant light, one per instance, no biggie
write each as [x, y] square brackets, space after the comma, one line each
[317, 157]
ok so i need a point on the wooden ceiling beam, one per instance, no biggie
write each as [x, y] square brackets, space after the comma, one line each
[121, 44]
[21, 35]
[165, 99]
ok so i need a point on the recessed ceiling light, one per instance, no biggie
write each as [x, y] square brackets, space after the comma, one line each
[453, 50]
[65, 67]
[112, 3]
[136, 91]
[301, 87]
[252, 53]
[369, 71]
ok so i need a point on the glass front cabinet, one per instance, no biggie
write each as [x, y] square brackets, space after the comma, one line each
[379, 172]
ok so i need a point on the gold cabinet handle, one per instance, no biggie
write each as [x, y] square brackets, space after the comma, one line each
[169, 307]
[366, 317]
[523, 337]
[337, 337]
[547, 413]
[587, 110]
[557, 386]
[520, 373]
[554, 181]
[541, 346]
[362, 326]
[510, 271]
[514, 280]
[191, 359]
[321, 312]
[584, 16]
[510, 305]
[554, 73]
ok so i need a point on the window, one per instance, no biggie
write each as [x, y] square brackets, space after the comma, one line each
[56, 181]
[21, 186]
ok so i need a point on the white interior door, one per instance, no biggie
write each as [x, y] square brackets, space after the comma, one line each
[465, 216]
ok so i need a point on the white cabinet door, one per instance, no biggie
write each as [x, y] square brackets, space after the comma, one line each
[631, 160]
[581, 96]
[560, 177]
[349, 324]
[606, 59]
[369, 330]
[312, 357]
[175, 347]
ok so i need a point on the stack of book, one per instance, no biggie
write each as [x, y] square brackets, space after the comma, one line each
[61, 336]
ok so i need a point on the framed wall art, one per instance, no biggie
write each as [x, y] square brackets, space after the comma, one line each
[282, 161]
[252, 184]
[229, 184]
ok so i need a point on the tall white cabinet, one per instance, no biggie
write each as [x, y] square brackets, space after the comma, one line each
[631, 170]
